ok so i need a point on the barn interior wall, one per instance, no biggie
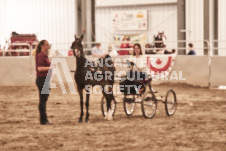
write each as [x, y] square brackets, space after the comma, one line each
[49, 19]
[222, 27]
[160, 18]
[195, 24]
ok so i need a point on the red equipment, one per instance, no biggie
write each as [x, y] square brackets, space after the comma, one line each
[20, 41]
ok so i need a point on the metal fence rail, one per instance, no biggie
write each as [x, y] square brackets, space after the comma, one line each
[62, 49]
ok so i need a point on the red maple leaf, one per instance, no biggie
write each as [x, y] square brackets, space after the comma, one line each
[158, 61]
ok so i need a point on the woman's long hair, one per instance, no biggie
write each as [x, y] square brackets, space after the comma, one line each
[38, 48]
[134, 54]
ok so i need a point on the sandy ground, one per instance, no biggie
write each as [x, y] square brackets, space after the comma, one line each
[199, 123]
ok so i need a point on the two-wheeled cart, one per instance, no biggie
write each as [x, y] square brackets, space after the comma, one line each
[142, 93]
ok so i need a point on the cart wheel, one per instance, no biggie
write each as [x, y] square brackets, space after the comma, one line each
[148, 104]
[104, 106]
[170, 103]
[129, 105]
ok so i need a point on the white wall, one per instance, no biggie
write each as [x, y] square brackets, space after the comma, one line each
[161, 17]
[130, 2]
[53, 20]
[194, 24]
[222, 27]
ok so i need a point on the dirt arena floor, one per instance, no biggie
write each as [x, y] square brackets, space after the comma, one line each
[199, 123]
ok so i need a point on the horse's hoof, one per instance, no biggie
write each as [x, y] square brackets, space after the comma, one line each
[87, 120]
[109, 115]
[110, 118]
[80, 120]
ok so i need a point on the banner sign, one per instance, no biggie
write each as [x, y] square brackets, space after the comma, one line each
[160, 64]
[129, 20]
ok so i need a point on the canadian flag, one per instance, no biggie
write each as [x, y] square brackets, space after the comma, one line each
[160, 65]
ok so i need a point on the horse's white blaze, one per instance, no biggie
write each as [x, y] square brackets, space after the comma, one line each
[77, 53]
[163, 39]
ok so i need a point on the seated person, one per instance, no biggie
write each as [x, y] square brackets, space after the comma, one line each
[124, 45]
[140, 71]
[149, 51]
[111, 52]
[100, 56]
[173, 51]
[163, 50]
[191, 50]
[97, 52]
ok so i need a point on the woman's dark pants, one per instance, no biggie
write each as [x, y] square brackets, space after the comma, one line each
[43, 85]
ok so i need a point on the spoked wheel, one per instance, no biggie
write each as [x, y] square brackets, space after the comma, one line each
[104, 106]
[129, 105]
[149, 105]
[170, 103]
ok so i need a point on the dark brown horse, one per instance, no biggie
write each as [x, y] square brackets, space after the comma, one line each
[159, 40]
[88, 75]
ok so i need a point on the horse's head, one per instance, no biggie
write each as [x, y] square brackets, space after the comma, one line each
[161, 36]
[77, 47]
[159, 39]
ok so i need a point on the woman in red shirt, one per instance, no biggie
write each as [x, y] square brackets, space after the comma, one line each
[124, 45]
[44, 73]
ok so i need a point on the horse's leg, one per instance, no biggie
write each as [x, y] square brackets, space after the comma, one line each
[109, 106]
[81, 104]
[109, 97]
[105, 95]
[87, 107]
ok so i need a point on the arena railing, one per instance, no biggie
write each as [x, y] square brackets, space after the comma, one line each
[62, 49]
[173, 45]
[218, 47]
[17, 51]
